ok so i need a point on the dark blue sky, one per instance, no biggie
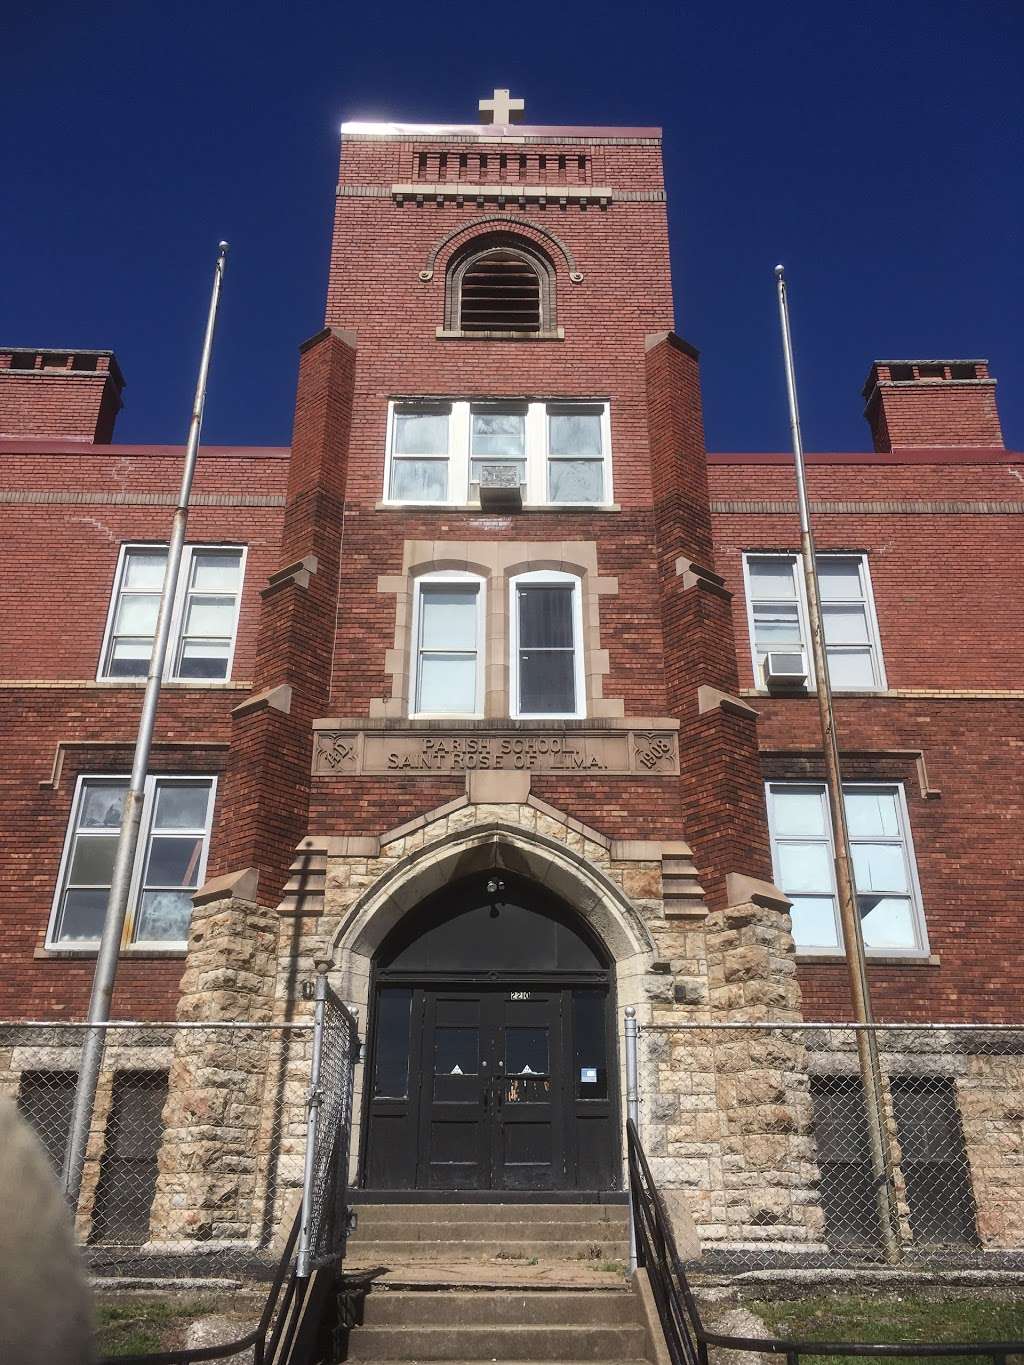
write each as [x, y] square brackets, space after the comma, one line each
[875, 148]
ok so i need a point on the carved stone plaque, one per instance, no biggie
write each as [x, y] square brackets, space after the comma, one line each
[624, 752]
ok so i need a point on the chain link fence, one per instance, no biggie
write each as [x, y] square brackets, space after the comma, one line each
[195, 1158]
[762, 1134]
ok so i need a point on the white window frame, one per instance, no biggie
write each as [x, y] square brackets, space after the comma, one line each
[448, 578]
[128, 943]
[174, 640]
[538, 577]
[867, 598]
[906, 842]
[461, 491]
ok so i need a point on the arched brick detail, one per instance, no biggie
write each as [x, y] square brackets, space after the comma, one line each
[505, 220]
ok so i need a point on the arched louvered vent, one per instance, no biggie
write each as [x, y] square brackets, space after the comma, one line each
[501, 293]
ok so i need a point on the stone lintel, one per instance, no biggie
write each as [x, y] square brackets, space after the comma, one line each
[714, 699]
[273, 698]
[743, 890]
[240, 885]
[497, 788]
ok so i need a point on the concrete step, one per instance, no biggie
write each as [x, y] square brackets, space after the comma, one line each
[441, 1228]
[593, 1308]
[372, 1215]
[367, 1252]
[498, 1343]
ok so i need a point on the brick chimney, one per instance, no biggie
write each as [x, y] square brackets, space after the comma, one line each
[68, 395]
[918, 403]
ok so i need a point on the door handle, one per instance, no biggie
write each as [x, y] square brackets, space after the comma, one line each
[487, 1096]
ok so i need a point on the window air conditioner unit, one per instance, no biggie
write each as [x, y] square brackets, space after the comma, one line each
[499, 488]
[785, 671]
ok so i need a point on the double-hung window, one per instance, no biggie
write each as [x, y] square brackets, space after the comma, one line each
[576, 453]
[884, 869]
[559, 452]
[447, 646]
[777, 613]
[421, 452]
[169, 866]
[204, 614]
[546, 647]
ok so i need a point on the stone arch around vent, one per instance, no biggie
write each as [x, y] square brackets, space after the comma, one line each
[500, 284]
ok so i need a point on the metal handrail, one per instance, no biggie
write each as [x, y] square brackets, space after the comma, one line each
[686, 1337]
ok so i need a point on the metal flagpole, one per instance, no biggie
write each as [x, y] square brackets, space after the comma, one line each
[131, 819]
[853, 937]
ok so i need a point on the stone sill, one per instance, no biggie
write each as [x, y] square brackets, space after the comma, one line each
[894, 694]
[873, 959]
[474, 507]
[126, 954]
[136, 684]
[453, 334]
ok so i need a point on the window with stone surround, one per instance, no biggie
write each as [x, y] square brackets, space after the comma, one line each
[546, 646]
[884, 867]
[560, 450]
[447, 645]
[169, 865]
[778, 620]
[204, 613]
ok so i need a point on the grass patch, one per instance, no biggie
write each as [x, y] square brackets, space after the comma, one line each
[136, 1325]
[888, 1317]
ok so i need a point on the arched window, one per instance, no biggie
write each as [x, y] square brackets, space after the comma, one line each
[500, 286]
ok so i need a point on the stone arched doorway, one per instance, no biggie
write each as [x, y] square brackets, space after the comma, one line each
[492, 1067]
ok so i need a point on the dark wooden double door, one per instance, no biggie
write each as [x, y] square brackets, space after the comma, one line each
[503, 1087]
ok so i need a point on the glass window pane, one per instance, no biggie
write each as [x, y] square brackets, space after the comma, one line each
[448, 618]
[163, 917]
[92, 863]
[574, 433]
[575, 480]
[82, 915]
[204, 659]
[805, 867]
[136, 613]
[499, 433]
[799, 814]
[839, 579]
[102, 804]
[215, 572]
[210, 616]
[777, 625]
[845, 625]
[879, 867]
[181, 805]
[174, 860]
[447, 684]
[872, 814]
[391, 1049]
[547, 684]
[772, 577]
[545, 617]
[130, 658]
[456, 1051]
[526, 1051]
[419, 480]
[850, 668]
[145, 569]
[887, 922]
[590, 1044]
[814, 922]
[421, 433]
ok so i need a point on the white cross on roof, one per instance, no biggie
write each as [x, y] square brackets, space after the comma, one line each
[502, 109]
